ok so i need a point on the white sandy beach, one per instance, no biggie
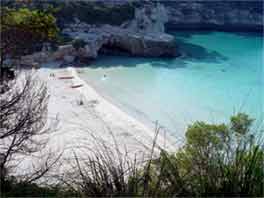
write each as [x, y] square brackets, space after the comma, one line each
[95, 117]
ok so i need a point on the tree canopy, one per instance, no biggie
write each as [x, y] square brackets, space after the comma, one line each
[23, 31]
[217, 159]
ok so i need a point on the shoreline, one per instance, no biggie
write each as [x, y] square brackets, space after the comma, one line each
[117, 108]
[96, 117]
[139, 116]
[131, 110]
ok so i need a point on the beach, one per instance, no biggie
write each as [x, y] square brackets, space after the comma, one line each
[91, 113]
[85, 117]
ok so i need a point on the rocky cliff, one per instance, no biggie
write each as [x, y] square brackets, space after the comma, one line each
[229, 15]
[217, 15]
[142, 36]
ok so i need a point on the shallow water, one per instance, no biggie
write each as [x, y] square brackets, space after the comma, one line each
[218, 75]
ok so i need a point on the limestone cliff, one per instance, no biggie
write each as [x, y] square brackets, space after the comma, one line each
[151, 18]
[229, 15]
[215, 15]
[142, 36]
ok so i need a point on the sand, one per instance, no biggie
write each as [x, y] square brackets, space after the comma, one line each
[85, 122]
[84, 114]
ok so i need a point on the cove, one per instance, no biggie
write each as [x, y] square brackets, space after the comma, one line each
[218, 74]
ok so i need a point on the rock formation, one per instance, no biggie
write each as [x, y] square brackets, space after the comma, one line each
[136, 44]
[149, 19]
[215, 15]
[143, 36]
[228, 15]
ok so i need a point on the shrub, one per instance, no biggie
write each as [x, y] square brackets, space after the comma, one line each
[78, 43]
[216, 160]
[95, 13]
[23, 31]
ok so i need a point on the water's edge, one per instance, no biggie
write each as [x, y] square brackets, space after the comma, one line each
[196, 74]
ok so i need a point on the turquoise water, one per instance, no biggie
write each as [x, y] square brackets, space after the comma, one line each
[218, 75]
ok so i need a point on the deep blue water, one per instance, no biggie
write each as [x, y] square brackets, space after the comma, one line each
[218, 75]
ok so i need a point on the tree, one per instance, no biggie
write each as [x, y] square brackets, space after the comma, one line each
[223, 159]
[23, 100]
[216, 160]
[23, 31]
[23, 128]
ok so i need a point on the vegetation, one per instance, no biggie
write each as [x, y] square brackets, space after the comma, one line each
[14, 188]
[92, 13]
[216, 160]
[23, 130]
[78, 43]
[86, 11]
[23, 31]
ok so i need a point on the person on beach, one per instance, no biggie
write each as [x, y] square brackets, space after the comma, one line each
[104, 77]
[52, 75]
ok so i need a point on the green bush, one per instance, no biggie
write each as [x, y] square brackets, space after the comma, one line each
[95, 13]
[15, 188]
[216, 160]
[78, 43]
[23, 30]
